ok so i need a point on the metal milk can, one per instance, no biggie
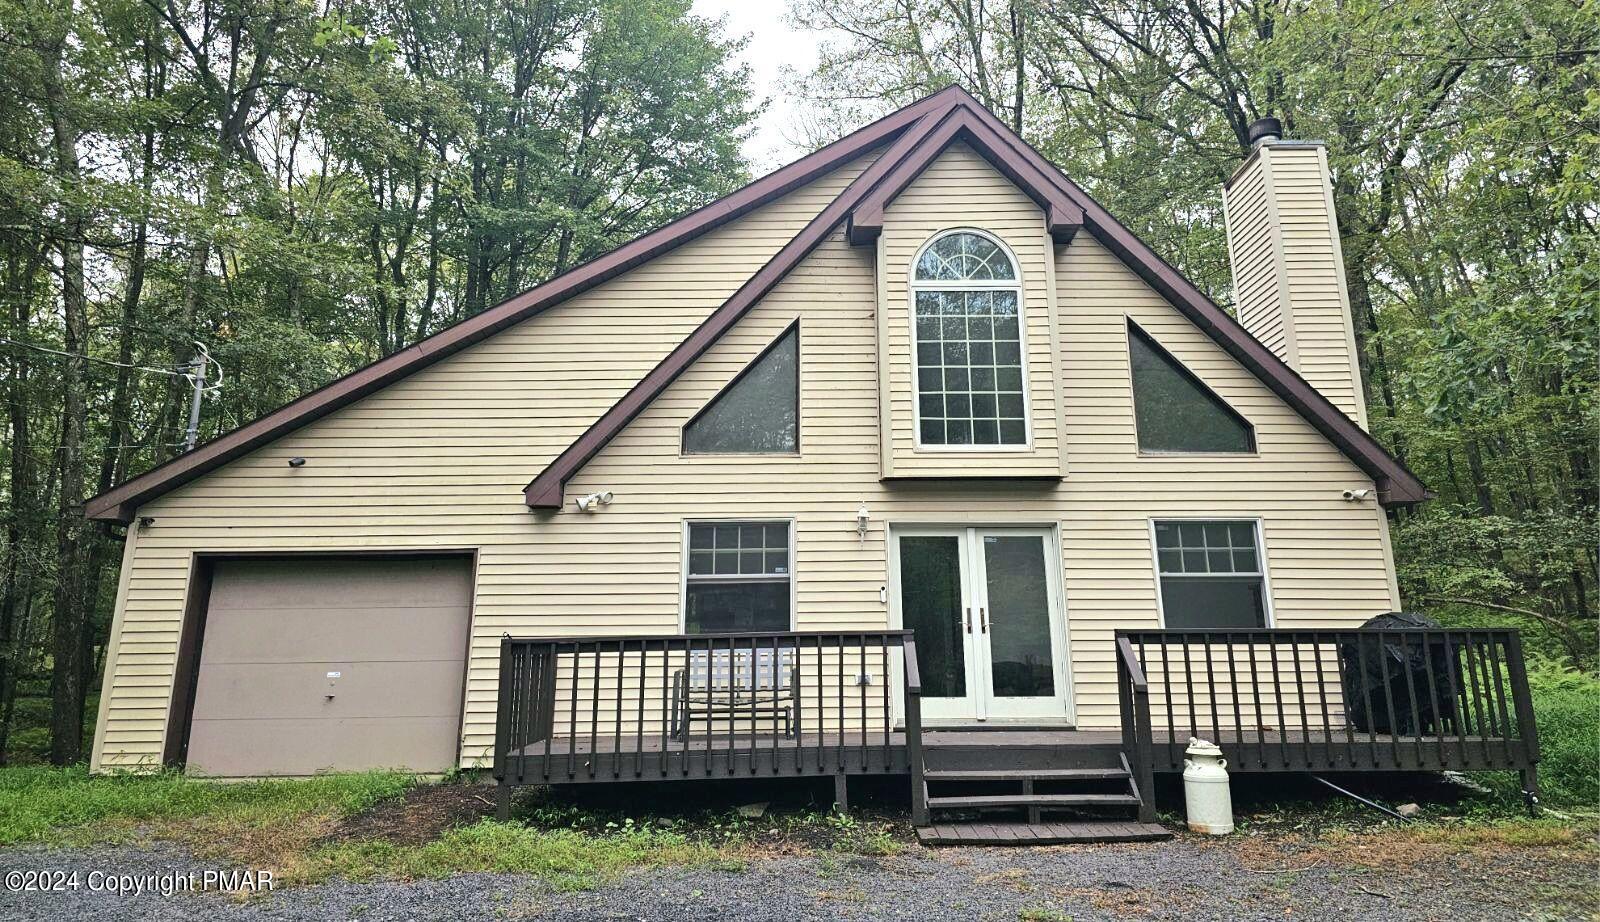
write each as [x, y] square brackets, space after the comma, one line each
[1205, 789]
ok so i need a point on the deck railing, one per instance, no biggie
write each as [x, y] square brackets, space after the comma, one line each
[710, 705]
[1133, 697]
[1400, 699]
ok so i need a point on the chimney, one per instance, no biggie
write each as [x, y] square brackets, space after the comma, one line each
[1288, 270]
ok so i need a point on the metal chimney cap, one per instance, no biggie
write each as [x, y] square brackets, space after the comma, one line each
[1264, 130]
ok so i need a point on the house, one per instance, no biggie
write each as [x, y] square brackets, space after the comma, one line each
[906, 438]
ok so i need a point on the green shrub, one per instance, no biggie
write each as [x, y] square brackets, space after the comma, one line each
[1566, 706]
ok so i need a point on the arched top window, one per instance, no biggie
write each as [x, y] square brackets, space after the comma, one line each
[965, 256]
[966, 314]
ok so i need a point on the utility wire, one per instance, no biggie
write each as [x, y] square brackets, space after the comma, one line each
[90, 358]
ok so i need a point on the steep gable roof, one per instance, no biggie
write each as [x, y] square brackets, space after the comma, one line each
[861, 204]
[915, 135]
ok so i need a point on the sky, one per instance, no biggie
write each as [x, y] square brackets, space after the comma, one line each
[773, 45]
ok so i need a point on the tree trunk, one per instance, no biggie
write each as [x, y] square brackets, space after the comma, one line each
[22, 523]
[70, 618]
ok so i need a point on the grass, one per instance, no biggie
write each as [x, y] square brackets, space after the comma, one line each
[564, 858]
[288, 825]
[1566, 707]
[69, 806]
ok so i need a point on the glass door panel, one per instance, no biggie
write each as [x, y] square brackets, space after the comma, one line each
[934, 604]
[1021, 626]
[1021, 664]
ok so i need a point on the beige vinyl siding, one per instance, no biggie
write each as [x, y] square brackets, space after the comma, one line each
[1250, 216]
[1326, 557]
[437, 460]
[1288, 270]
[961, 189]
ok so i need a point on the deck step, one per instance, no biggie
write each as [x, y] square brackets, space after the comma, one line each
[1033, 800]
[1026, 774]
[1040, 833]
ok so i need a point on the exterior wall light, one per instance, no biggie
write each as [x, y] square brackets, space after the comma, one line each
[862, 518]
[587, 503]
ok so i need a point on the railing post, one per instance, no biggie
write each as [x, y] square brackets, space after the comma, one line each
[502, 731]
[1138, 738]
[1527, 728]
[913, 678]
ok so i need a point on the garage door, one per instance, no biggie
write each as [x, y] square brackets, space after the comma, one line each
[311, 665]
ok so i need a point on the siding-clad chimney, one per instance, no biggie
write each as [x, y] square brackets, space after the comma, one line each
[1288, 270]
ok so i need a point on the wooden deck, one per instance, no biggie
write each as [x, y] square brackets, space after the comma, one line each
[614, 709]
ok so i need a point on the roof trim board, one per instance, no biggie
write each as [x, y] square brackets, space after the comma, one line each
[1062, 216]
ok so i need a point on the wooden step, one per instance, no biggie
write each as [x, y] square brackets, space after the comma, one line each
[1040, 833]
[1033, 800]
[1026, 774]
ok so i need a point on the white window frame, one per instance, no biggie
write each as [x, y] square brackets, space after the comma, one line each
[1269, 617]
[913, 285]
[683, 566]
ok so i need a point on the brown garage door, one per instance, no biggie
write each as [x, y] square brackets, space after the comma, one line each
[319, 664]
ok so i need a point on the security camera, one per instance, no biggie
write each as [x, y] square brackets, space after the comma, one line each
[1356, 496]
[586, 503]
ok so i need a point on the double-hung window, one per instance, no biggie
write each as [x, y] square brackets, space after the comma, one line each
[739, 577]
[966, 313]
[1211, 574]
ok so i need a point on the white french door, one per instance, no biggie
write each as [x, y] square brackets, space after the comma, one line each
[985, 604]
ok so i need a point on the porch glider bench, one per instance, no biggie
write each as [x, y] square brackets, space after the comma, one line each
[735, 685]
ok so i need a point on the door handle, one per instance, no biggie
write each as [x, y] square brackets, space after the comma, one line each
[983, 619]
[969, 619]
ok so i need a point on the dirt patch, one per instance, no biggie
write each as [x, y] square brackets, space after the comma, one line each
[421, 815]
[1407, 847]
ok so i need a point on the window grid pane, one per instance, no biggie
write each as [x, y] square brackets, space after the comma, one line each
[963, 256]
[1207, 548]
[969, 368]
[748, 549]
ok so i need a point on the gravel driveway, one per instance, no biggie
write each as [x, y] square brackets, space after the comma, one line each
[1184, 878]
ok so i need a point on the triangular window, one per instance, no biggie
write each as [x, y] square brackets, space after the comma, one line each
[759, 411]
[1174, 411]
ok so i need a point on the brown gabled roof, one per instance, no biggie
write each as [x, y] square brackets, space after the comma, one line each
[119, 503]
[1062, 216]
[1066, 206]
[955, 114]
